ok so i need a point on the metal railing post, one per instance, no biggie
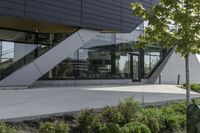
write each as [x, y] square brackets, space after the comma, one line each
[159, 79]
[178, 80]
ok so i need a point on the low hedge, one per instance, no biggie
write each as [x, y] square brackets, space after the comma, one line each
[110, 128]
[194, 86]
[56, 127]
[127, 117]
[112, 115]
[6, 129]
[88, 122]
[151, 117]
[135, 127]
[129, 109]
[157, 119]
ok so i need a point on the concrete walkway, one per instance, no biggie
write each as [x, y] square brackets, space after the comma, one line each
[43, 101]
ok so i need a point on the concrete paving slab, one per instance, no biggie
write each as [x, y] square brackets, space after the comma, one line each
[50, 100]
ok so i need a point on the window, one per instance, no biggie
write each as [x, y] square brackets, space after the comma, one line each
[95, 63]
[123, 60]
[85, 63]
[150, 61]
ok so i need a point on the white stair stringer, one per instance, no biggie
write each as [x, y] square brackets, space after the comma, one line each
[28, 74]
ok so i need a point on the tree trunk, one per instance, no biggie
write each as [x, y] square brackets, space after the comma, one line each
[187, 80]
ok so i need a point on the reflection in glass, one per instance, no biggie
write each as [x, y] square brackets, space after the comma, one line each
[18, 48]
[107, 56]
[105, 62]
[123, 61]
[31, 37]
[94, 63]
[135, 68]
[85, 63]
[11, 52]
[150, 61]
[65, 69]
[123, 66]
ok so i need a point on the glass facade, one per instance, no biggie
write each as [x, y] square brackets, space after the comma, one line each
[108, 56]
[115, 61]
[122, 59]
[18, 48]
[150, 61]
[66, 69]
[95, 63]
[86, 63]
[31, 37]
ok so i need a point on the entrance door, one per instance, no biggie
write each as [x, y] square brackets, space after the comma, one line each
[135, 67]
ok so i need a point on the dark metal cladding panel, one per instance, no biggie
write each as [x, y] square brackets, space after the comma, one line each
[130, 22]
[58, 11]
[93, 14]
[12, 8]
[102, 14]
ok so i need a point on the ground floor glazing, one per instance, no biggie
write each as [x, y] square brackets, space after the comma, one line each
[117, 61]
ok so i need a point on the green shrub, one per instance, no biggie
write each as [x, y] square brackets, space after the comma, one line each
[151, 117]
[5, 129]
[170, 119]
[197, 101]
[170, 122]
[88, 122]
[195, 87]
[55, 127]
[112, 115]
[178, 107]
[184, 85]
[181, 120]
[61, 127]
[178, 110]
[46, 128]
[111, 128]
[129, 109]
[135, 127]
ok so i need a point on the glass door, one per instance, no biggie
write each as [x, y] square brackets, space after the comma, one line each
[135, 67]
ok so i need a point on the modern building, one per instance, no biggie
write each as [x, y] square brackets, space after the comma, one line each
[76, 42]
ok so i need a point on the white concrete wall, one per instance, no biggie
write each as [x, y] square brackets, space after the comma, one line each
[176, 66]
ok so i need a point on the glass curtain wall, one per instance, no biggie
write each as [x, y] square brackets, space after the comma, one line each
[18, 48]
[122, 60]
[100, 62]
[94, 60]
[95, 63]
[103, 62]
[106, 56]
[151, 59]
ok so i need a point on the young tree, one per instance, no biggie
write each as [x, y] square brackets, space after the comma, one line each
[172, 24]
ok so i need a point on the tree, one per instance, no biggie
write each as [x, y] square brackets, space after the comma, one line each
[172, 24]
